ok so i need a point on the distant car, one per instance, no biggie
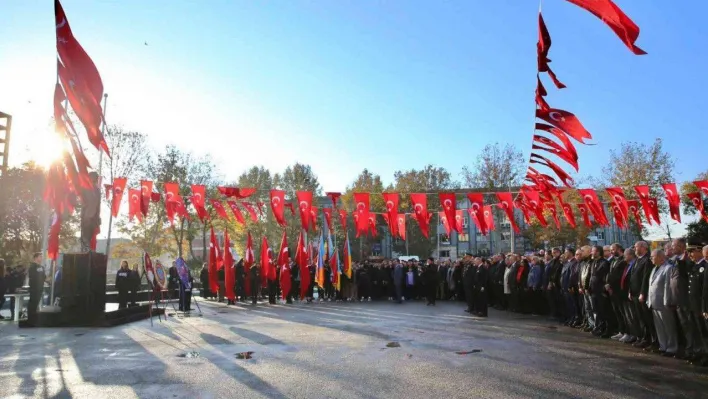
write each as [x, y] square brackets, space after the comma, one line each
[407, 258]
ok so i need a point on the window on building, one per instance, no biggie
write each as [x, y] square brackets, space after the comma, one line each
[444, 239]
[600, 234]
[465, 220]
[505, 236]
[463, 237]
[444, 254]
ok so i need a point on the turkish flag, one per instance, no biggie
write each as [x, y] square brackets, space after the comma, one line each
[697, 201]
[59, 118]
[560, 135]
[328, 219]
[134, 205]
[554, 213]
[555, 149]
[229, 271]
[372, 225]
[401, 225]
[449, 205]
[391, 201]
[617, 196]
[543, 47]
[284, 265]
[488, 217]
[249, 258]
[593, 204]
[146, 194]
[565, 177]
[567, 211]
[524, 210]
[506, 204]
[333, 196]
[236, 211]
[458, 220]
[236, 192]
[313, 217]
[532, 199]
[420, 207]
[304, 200]
[198, 196]
[444, 222]
[343, 219]
[277, 204]
[219, 208]
[172, 199]
[118, 188]
[565, 121]
[619, 216]
[702, 186]
[213, 263]
[540, 93]
[251, 211]
[53, 240]
[267, 270]
[616, 19]
[475, 211]
[633, 206]
[651, 211]
[302, 259]
[585, 214]
[672, 195]
[361, 212]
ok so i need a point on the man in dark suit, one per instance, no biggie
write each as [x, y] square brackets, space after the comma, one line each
[678, 287]
[613, 285]
[469, 283]
[697, 291]
[37, 278]
[554, 282]
[481, 284]
[638, 291]
[600, 300]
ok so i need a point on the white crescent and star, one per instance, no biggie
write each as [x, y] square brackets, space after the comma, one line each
[556, 116]
[447, 203]
[61, 24]
[418, 208]
[389, 205]
[303, 205]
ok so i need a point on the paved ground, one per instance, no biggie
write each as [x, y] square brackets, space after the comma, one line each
[330, 350]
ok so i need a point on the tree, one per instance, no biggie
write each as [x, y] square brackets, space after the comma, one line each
[638, 164]
[430, 180]
[496, 167]
[366, 182]
[21, 210]
[696, 231]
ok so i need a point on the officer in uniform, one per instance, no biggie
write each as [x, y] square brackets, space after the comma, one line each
[696, 287]
[123, 284]
[481, 283]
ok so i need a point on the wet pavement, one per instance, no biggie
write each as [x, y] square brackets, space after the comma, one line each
[335, 350]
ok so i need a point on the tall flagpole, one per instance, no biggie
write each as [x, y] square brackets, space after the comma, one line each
[100, 167]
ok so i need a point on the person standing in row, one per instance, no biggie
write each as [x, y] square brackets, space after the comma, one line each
[123, 284]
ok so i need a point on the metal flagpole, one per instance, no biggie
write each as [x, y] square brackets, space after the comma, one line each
[437, 233]
[100, 170]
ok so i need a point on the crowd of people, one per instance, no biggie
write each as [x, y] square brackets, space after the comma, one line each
[656, 301]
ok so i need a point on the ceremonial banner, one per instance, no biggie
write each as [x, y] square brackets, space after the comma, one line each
[183, 273]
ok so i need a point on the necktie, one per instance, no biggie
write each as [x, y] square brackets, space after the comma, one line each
[624, 276]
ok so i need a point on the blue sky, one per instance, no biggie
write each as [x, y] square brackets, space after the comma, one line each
[347, 85]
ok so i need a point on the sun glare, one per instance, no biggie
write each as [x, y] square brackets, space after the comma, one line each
[47, 149]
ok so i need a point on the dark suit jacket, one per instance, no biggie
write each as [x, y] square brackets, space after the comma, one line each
[597, 277]
[678, 283]
[614, 278]
[639, 278]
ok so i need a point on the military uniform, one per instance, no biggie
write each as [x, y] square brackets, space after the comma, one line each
[696, 286]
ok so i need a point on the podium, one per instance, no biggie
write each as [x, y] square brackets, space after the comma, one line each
[83, 288]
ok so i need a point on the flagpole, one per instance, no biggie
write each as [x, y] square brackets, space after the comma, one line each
[100, 167]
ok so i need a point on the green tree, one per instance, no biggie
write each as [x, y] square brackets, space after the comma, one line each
[696, 231]
[496, 167]
[366, 182]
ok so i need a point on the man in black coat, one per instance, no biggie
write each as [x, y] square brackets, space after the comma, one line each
[553, 295]
[481, 288]
[697, 291]
[678, 286]
[618, 294]
[600, 300]
[469, 283]
[430, 281]
[255, 283]
[639, 291]
[123, 284]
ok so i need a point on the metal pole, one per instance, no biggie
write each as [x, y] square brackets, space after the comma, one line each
[100, 166]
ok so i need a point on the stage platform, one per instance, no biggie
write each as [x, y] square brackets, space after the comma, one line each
[51, 316]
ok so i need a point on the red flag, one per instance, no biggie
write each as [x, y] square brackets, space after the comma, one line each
[633, 206]
[560, 135]
[213, 263]
[59, 119]
[618, 197]
[449, 205]
[697, 201]
[401, 225]
[391, 201]
[219, 208]
[118, 188]
[361, 212]
[334, 268]
[150, 273]
[284, 265]
[540, 93]
[372, 225]
[651, 211]
[565, 177]
[198, 198]
[505, 203]
[229, 271]
[524, 210]
[334, 197]
[109, 190]
[343, 219]
[488, 217]
[304, 200]
[532, 199]
[313, 217]
[476, 211]
[249, 258]
[554, 213]
[328, 218]
[277, 204]
[420, 208]
[585, 214]
[567, 211]
[236, 211]
[672, 195]
[146, 192]
[267, 270]
[458, 220]
[172, 198]
[555, 149]
[619, 216]
[444, 222]
[565, 121]
[543, 46]
[616, 19]
[134, 205]
[301, 259]
[236, 192]
[593, 203]
[53, 241]
[251, 211]
[702, 186]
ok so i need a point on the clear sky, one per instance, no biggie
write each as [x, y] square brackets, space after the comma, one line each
[351, 84]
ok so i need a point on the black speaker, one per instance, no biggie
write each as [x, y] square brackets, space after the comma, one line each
[83, 286]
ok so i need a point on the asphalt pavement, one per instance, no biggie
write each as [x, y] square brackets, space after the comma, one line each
[335, 350]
